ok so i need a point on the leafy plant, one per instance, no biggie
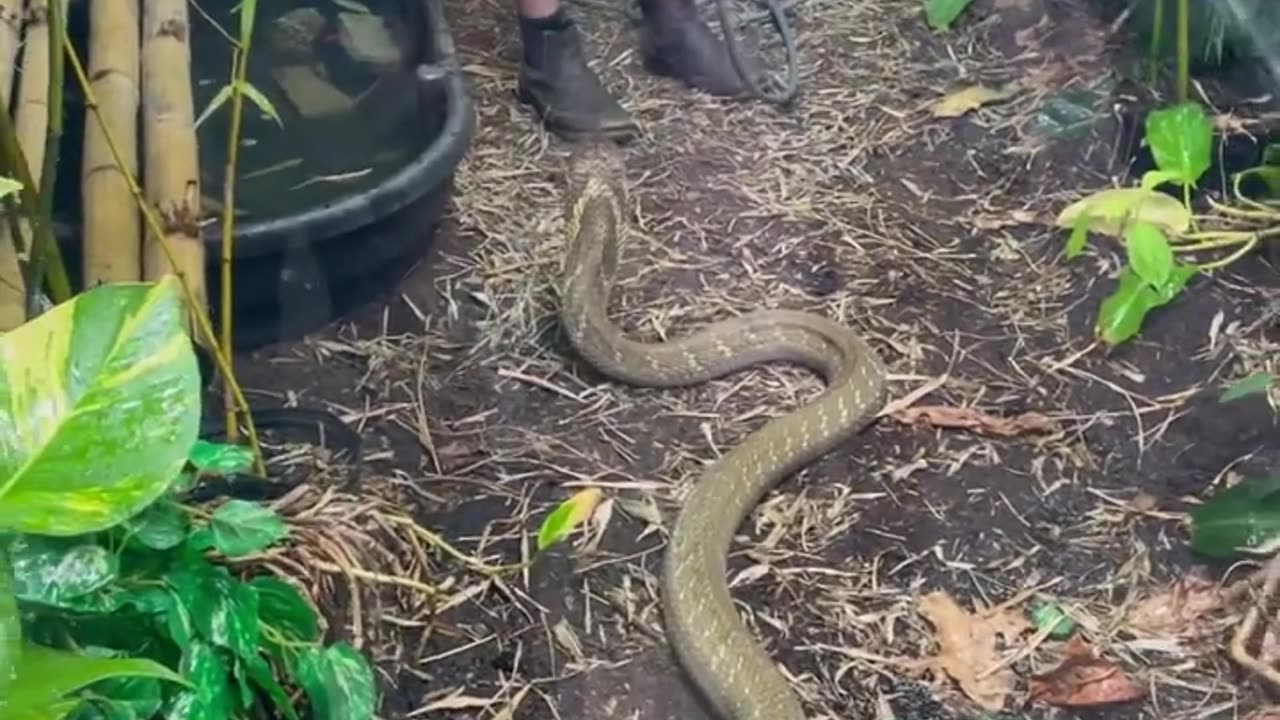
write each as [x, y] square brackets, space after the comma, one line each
[113, 602]
[1160, 233]
[942, 13]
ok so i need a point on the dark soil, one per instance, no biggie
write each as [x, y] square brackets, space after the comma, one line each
[933, 237]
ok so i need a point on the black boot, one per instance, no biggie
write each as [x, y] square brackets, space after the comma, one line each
[679, 44]
[556, 82]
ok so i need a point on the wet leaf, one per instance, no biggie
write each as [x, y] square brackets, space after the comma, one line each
[224, 611]
[1084, 679]
[56, 572]
[220, 458]
[46, 676]
[1244, 516]
[1050, 615]
[338, 681]
[941, 13]
[242, 528]
[1121, 314]
[971, 98]
[210, 698]
[10, 628]
[567, 516]
[1111, 211]
[99, 404]
[283, 608]
[1149, 252]
[1181, 141]
[162, 526]
[968, 647]
[1254, 384]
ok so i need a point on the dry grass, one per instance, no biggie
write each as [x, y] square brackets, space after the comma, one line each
[927, 235]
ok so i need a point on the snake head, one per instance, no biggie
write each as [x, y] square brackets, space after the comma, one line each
[600, 160]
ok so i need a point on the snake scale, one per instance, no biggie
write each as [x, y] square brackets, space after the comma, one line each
[725, 662]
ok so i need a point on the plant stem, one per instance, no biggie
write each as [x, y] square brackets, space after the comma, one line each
[52, 142]
[15, 165]
[239, 67]
[1184, 50]
[1241, 252]
[1157, 34]
[199, 312]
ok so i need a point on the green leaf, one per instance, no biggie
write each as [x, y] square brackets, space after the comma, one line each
[262, 101]
[1256, 383]
[223, 610]
[210, 697]
[1181, 140]
[1079, 236]
[1153, 179]
[1111, 211]
[122, 699]
[99, 404]
[1246, 515]
[10, 627]
[46, 676]
[1050, 615]
[284, 609]
[8, 186]
[259, 671]
[56, 571]
[338, 681]
[242, 528]
[567, 516]
[1121, 314]
[162, 526]
[941, 13]
[1150, 254]
[220, 458]
[217, 101]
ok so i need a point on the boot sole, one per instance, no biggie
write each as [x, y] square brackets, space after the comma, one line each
[616, 133]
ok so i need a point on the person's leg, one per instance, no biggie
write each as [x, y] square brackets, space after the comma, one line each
[679, 44]
[555, 80]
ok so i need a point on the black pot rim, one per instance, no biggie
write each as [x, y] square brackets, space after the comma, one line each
[406, 186]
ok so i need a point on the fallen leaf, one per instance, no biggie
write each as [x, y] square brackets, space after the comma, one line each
[1179, 610]
[1084, 679]
[969, 647]
[975, 420]
[971, 98]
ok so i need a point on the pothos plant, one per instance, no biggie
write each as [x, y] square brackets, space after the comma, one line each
[1166, 241]
[114, 600]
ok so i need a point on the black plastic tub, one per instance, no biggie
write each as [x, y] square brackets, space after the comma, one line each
[296, 273]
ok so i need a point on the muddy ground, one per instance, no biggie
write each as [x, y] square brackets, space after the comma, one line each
[933, 237]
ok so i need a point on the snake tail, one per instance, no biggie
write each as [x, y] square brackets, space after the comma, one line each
[725, 662]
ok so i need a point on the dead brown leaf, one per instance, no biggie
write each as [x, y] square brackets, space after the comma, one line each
[971, 98]
[969, 647]
[1179, 610]
[1084, 679]
[975, 420]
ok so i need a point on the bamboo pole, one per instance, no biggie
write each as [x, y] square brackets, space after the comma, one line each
[13, 309]
[112, 224]
[170, 158]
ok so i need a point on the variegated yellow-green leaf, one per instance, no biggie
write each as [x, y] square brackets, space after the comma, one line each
[1112, 211]
[99, 405]
[568, 515]
[10, 628]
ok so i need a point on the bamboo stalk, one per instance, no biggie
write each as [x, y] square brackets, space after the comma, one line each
[112, 225]
[13, 308]
[171, 172]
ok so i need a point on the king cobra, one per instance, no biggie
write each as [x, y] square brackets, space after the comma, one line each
[733, 672]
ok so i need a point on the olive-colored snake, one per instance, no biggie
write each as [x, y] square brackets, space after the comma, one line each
[732, 670]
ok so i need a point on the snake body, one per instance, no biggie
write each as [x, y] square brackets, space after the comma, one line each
[724, 661]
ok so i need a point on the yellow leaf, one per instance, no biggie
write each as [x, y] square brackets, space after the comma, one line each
[1110, 211]
[971, 98]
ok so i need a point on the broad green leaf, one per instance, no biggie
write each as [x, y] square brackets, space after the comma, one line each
[242, 528]
[10, 627]
[1121, 314]
[223, 610]
[162, 526]
[210, 695]
[1181, 141]
[1150, 254]
[1079, 236]
[1246, 515]
[47, 675]
[99, 404]
[122, 699]
[941, 13]
[567, 516]
[9, 186]
[259, 671]
[285, 610]
[1256, 383]
[338, 681]
[1050, 615]
[220, 458]
[58, 571]
[1111, 211]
